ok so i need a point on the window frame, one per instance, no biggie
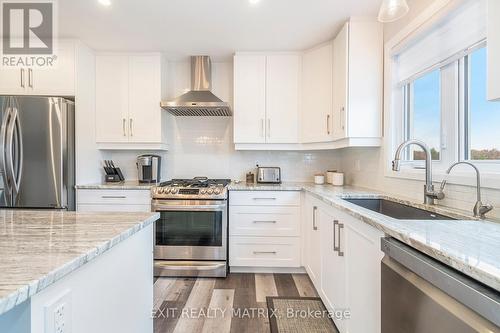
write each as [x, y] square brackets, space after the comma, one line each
[466, 112]
[394, 128]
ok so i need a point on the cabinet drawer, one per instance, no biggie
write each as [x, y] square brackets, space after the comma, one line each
[264, 251]
[264, 198]
[264, 221]
[116, 197]
[112, 208]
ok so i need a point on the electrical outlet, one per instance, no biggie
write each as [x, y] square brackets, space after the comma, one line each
[58, 314]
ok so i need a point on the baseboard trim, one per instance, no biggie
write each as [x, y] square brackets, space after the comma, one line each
[278, 270]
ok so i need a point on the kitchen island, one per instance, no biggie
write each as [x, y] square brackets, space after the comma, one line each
[89, 271]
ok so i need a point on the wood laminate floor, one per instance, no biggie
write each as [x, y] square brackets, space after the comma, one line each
[234, 304]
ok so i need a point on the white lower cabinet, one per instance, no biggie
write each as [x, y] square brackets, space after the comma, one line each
[110, 200]
[333, 267]
[349, 265]
[264, 229]
[264, 251]
[312, 235]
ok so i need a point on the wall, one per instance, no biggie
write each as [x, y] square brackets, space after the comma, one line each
[365, 167]
[204, 146]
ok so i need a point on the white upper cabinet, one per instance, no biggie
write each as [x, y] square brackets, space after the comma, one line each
[13, 80]
[316, 105]
[112, 98]
[58, 79]
[358, 82]
[128, 94]
[328, 97]
[340, 82]
[493, 50]
[282, 98]
[249, 98]
[145, 94]
[266, 97]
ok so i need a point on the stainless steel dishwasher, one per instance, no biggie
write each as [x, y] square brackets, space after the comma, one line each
[422, 295]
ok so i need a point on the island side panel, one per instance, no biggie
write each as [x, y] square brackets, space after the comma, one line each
[16, 320]
[112, 293]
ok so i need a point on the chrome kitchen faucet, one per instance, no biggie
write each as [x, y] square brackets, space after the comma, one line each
[429, 193]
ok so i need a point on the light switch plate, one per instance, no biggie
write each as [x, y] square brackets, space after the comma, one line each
[58, 314]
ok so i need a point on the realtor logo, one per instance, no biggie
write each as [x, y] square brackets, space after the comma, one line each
[27, 27]
[28, 31]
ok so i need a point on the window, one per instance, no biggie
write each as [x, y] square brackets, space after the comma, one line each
[439, 86]
[482, 117]
[423, 114]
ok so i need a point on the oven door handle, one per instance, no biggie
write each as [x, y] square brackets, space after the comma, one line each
[207, 208]
[194, 267]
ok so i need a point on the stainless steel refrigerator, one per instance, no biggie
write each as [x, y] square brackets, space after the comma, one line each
[37, 152]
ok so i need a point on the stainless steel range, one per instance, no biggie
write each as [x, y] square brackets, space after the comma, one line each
[191, 234]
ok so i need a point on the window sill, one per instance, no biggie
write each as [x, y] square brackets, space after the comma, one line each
[488, 180]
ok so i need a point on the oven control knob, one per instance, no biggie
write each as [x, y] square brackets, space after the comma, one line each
[210, 191]
[203, 191]
[174, 191]
[217, 191]
[159, 190]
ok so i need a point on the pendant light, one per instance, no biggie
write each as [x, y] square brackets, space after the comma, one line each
[392, 10]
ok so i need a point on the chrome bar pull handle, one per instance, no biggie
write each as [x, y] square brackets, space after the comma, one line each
[30, 77]
[268, 131]
[342, 117]
[335, 224]
[328, 124]
[22, 78]
[264, 252]
[124, 127]
[315, 227]
[131, 124]
[262, 127]
[340, 252]
[264, 222]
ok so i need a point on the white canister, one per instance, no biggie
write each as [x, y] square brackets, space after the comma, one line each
[319, 179]
[338, 179]
[329, 176]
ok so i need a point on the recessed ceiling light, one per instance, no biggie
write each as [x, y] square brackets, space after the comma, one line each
[254, 2]
[106, 3]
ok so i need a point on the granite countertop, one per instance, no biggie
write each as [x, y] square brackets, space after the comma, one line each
[126, 185]
[469, 245]
[38, 248]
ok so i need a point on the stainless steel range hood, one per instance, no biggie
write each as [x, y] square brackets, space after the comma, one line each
[200, 101]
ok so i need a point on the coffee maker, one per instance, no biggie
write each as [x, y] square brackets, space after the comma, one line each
[149, 168]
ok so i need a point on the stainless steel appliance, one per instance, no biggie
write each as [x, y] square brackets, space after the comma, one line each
[149, 168]
[268, 175]
[191, 234]
[422, 295]
[37, 152]
[199, 101]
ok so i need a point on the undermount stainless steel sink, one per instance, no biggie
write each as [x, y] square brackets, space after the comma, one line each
[397, 210]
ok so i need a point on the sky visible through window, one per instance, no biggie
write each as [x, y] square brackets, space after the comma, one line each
[484, 115]
[427, 113]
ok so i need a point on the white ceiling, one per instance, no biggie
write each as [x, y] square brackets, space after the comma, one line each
[214, 27]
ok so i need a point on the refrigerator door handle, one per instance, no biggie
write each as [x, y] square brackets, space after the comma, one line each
[14, 150]
[52, 103]
[3, 165]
